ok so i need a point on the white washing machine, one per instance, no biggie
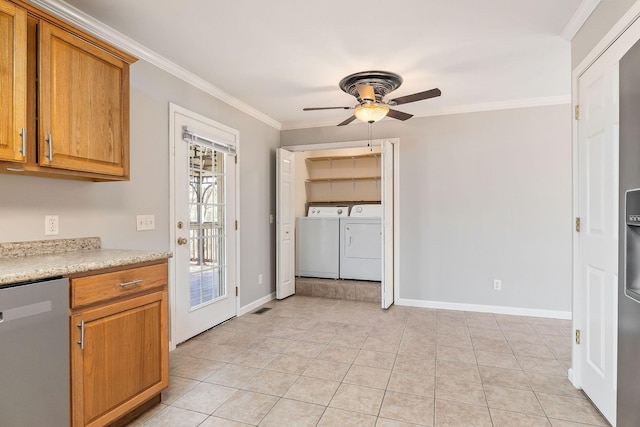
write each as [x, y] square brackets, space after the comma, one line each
[361, 243]
[318, 242]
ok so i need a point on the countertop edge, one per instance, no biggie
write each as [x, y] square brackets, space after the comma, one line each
[85, 261]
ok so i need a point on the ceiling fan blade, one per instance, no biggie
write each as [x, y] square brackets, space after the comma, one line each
[366, 92]
[399, 115]
[417, 96]
[325, 108]
[346, 122]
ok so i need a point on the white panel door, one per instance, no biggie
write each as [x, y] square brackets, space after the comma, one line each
[204, 234]
[285, 224]
[388, 262]
[598, 237]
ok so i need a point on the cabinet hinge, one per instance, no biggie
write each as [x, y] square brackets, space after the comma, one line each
[236, 224]
[578, 224]
[577, 112]
[236, 291]
[577, 336]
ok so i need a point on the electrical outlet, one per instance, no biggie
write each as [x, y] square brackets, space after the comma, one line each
[259, 279]
[51, 225]
[145, 222]
[497, 285]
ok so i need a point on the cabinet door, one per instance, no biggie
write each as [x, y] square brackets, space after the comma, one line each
[13, 75]
[123, 358]
[84, 105]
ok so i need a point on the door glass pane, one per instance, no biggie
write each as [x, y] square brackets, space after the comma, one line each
[207, 225]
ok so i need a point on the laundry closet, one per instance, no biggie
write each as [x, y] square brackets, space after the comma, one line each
[339, 214]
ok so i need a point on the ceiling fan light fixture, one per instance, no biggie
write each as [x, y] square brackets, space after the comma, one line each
[371, 113]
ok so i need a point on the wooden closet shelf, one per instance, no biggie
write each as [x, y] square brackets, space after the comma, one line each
[356, 156]
[355, 178]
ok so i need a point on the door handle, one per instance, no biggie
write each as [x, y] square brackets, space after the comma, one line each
[81, 342]
[49, 141]
[23, 135]
[182, 241]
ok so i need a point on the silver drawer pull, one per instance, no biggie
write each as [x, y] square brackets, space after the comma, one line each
[133, 282]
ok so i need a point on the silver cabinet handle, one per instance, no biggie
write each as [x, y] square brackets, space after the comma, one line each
[81, 342]
[23, 134]
[49, 140]
[133, 282]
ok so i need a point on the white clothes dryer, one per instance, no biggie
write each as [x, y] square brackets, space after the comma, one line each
[318, 242]
[361, 243]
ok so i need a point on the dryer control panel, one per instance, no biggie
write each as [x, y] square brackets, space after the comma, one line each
[330, 211]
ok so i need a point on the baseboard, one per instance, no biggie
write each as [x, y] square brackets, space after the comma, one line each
[497, 309]
[572, 378]
[254, 305]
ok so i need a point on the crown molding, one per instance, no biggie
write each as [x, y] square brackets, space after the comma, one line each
[582, 13]
[97, 28]
[458, 109]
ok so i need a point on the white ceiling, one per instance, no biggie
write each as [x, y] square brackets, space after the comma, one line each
[279, 56]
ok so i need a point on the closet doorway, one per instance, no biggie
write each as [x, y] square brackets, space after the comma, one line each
[296, 191]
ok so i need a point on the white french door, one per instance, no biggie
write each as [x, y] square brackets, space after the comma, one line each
[388, 224]
[204, 224]
[598, 237]
[285, 224]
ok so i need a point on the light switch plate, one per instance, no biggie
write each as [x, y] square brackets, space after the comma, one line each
[145, 222]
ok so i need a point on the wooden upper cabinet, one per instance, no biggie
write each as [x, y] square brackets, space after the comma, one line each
[64, 98]
[13, 82]
[84, 105]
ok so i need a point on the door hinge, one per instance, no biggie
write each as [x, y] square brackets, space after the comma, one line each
[235, 158]
[236, 291]
[236, 224]
[577, 112]
[577, 336]
[578, 224]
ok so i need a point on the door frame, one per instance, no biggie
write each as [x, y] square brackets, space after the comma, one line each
[173, 109]
[624, 34]
[396, 193]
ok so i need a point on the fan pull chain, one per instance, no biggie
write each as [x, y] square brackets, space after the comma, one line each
[370, 144]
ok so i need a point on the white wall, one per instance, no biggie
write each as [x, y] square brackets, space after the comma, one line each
[108, 210]
[483, 196]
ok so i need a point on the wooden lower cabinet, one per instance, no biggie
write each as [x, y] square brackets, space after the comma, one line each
[119, 357]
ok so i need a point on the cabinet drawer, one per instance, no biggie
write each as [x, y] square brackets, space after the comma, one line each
[101, 287]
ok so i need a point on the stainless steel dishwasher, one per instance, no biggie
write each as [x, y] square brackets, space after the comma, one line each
[34, 354]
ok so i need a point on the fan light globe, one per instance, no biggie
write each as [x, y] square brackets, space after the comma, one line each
[371, 113]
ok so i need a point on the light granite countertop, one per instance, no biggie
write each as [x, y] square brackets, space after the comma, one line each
[32, 264]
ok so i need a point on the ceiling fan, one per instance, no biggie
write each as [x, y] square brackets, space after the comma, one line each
[370, 88]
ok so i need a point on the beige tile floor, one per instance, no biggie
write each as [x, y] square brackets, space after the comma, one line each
[326, 362]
